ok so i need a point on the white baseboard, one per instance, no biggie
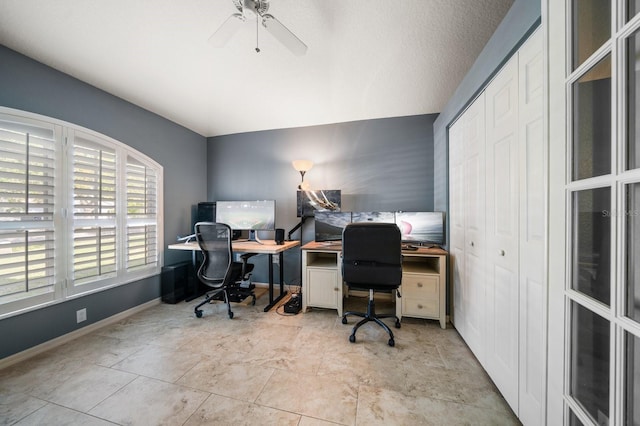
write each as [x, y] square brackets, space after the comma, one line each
[31, 352]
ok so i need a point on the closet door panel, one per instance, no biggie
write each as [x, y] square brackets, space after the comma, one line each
[533, 169]
[456, 221]
[474, 219]
[502, 292]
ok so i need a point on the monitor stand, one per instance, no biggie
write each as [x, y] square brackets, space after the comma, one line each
[253, 236]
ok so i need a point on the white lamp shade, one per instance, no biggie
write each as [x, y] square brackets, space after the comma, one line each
[302, 165]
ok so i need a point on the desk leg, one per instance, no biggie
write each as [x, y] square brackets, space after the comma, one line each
[272, 301]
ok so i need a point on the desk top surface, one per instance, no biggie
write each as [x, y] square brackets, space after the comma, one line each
[267, 246]
[337, 246]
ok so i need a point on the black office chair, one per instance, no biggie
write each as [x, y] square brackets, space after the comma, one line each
[371, 260]
[229, 279]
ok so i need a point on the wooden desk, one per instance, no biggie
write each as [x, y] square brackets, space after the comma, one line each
[423, 289]
[268, 247]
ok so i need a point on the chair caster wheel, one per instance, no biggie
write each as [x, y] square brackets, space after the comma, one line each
[230, 315]
[344, 320]
[398, 324]
[199, 313]
[253, 302]
[352, 338]
[392, 342]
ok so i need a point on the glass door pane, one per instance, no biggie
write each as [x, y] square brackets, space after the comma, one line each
[633, 251]
[631, 375]
[591, 27]
[591, 259]
[633, 7]
[589, 374]
[592, 122]
[633, 100]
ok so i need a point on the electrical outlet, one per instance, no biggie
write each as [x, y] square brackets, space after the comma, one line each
[276, 260]
[81, 315]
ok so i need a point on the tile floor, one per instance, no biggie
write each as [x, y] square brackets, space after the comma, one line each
[164, 366]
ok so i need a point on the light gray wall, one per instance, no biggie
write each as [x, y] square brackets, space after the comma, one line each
[380, 165]
[31, 86]
[522, 19]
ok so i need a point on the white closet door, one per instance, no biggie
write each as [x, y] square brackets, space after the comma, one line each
[502, 291]
[456, 222]
[533, 168]
[474, 219]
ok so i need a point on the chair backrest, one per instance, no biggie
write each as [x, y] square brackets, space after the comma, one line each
[215, 242]
[372, 255]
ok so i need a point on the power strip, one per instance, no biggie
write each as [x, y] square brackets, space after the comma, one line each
[293, 305]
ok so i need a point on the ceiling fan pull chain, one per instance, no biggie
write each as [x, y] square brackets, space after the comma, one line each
[257, 47]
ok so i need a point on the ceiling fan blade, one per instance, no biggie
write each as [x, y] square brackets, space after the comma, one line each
[227, 30]
[283, 35]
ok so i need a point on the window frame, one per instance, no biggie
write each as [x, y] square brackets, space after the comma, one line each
[65, 288]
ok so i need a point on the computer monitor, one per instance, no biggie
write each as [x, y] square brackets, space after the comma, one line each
[247, 215]
[329, 225]
[421, 227]
[318, 200]
[380, 217]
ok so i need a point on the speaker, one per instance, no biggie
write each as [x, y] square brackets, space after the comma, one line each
[279, 236]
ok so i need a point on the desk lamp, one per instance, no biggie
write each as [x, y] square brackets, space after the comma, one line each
[303, 166]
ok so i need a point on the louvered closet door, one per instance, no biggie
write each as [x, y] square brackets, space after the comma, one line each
[474, 220]
[502, 223]
[456, 221]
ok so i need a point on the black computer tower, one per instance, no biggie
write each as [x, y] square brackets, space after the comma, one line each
[178, 282]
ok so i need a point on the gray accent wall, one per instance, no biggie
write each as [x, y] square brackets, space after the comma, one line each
[379, 165]
[521, 20]
[30, 86]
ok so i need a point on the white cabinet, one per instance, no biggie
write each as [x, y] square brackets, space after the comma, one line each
[424, 285]
[322, 279]
[496, 215]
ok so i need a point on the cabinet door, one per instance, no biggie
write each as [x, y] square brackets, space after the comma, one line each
[322, 288]
[474, 220]
[501, 260]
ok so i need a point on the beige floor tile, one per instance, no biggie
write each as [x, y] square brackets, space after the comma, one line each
[54, 415]
[15, 406]
[150, 402]
[229, 374]
[378, 406]
[220, 410]
[85, 389]
[324, 398]
[160, 362]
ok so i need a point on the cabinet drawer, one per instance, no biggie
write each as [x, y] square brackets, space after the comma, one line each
[421, 286]
[420, 307]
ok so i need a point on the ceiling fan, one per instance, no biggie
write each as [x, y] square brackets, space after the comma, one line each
[257, 9]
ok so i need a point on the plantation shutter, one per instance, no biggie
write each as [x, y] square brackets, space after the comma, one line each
[94, 210]
[27, 206]
[142, 221]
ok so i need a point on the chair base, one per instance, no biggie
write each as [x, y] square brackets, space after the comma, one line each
[228, 294]
[370, 315]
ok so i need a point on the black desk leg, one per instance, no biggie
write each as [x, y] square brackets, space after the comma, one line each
[272, 301]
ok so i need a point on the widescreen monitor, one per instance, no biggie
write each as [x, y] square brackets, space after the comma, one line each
[247, 215]
[318, 200]
[379, 217]
[329, 225]
[421, 227]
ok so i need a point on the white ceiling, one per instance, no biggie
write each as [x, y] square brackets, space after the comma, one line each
[366, 58]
